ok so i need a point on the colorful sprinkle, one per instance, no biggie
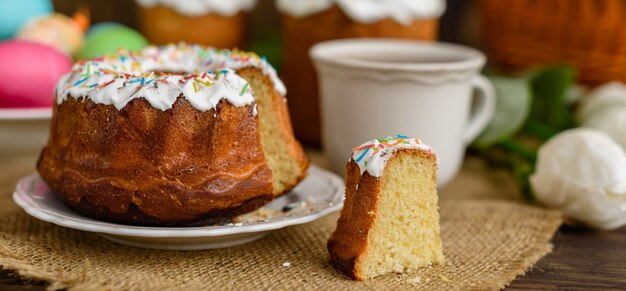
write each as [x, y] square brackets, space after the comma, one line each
[363, 155]
[80, 81]
[105, 84]
[243, 91]
[363, 147]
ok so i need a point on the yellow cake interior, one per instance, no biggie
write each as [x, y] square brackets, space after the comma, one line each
[405, 234]
[279, 154]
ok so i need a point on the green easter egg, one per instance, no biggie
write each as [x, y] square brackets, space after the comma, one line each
[109, 40]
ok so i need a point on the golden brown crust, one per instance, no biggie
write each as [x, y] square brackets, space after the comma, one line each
[163, 25]
[135, 215]
[144, 166]
[348, 244]
[299, 34]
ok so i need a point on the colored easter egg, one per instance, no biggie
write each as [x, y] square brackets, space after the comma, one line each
[29, 72]
[101, 26]
[111, 39]
[14, 14]
[56, 30]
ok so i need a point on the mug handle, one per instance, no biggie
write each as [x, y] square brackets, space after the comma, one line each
[484, 108]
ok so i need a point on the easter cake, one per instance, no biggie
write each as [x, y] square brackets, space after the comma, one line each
[173, 135]
[390, 220]
[195, 21]
[308, 22]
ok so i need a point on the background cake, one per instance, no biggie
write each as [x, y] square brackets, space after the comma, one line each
[171, 136]
[216, 23]
[390, 220]
[306, 22]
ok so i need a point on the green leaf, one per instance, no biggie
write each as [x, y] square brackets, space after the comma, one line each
[521, 173]
[514, 146]
[512, 109]
[549, 105]
[268, 44]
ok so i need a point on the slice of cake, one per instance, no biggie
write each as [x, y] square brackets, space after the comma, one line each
[390, 220]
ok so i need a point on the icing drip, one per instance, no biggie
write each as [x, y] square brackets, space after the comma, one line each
[368, 11]
[303, 8]
[202, 7]
[203, 75]
[373, 155]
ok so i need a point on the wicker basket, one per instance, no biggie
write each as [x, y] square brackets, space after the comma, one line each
[589, 34]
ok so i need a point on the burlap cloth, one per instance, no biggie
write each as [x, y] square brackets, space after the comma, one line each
[487, 243]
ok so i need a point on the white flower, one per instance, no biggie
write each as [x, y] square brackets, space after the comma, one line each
[605, 109]
[608, 95]
[582, 171]
[612, 121]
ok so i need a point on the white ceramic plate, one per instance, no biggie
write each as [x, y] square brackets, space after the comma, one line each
[322, 192]
[25, 114]
[23, 132]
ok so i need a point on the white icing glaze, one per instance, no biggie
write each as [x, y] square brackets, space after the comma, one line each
[203, 75]
[368, 11]
[202, 7]
[373, 155]
[303, 8]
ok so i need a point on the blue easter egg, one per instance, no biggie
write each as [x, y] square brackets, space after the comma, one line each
[14, 14]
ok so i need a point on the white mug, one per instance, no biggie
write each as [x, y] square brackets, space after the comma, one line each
[374, 88]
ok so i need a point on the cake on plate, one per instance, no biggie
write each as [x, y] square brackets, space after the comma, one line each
[390, 219]
[217, 23]
[307, 22]
[173, 135]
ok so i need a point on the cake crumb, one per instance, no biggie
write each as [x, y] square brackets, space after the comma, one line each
[444, 278]
[286, 264]
[261, 215]
[415, 281]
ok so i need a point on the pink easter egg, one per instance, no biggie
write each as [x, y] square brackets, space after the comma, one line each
[29, 73]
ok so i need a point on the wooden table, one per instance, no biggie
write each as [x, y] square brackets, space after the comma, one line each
[582, 259]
